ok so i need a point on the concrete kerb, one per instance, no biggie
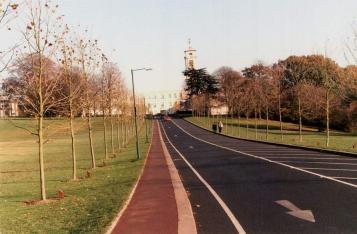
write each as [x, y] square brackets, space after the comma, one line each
[343, 153]
[126, 203]
[186, 221]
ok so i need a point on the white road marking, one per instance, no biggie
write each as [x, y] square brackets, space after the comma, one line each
[312, 158]
[327, 163]
[191, 147]
[293, 154]
[268, 151]
[345, 178]
[296, 211]
[268, 160]
[226, 209]
[328, 169]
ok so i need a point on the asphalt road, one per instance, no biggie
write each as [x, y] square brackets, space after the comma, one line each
[241, 186]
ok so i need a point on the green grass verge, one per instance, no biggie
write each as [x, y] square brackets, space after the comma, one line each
[339, 141]
[90, 203]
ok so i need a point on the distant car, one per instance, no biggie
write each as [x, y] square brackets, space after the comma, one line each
[167, 118]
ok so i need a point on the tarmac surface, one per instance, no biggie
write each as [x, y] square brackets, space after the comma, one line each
[237, 186]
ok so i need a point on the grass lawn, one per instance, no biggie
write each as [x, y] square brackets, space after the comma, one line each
[89, 204]
[340, 141]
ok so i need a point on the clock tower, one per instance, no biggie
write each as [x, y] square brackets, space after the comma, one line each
[190, 57]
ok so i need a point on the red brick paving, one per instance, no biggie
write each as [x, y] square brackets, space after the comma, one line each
[152, 208]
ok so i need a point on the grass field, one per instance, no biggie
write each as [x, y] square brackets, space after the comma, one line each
[339, 141]
[89, 204]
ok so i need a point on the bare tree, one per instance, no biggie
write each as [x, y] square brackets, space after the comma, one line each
[277, 90]
[71, 89]
[88, 60]
[294, 80]
[36, 75]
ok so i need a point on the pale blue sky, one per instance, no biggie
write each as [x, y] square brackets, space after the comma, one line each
[234, 33]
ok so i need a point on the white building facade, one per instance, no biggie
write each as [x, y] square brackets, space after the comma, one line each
[165, 102]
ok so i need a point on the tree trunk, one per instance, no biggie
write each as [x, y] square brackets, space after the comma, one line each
[105, 136]
[232, 129]
[40, 154]
[89, 123]
[112, 133]
[300, 120]
[94, 109]
[247, 126]
[122, 132]
[267, 124]
[256, 124]
[74, 160]
[238, 123]
[327, 118]
[226, 124]
[125, 132]
[280, 118]
[118, 134]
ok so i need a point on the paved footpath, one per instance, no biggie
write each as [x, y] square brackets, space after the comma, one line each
[153, 207]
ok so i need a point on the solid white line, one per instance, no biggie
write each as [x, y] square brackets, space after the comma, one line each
[328, 169]
[327, 163]
[268, 160]
[346, 178]
[312, 158]
[229, 213]
[287, 153]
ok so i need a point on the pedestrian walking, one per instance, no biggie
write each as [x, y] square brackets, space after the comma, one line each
[220, 126]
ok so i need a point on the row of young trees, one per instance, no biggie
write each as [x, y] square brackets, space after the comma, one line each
[309, 89]
[60, 73]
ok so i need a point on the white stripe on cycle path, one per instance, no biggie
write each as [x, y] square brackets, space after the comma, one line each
[268, 160]
[229, 213]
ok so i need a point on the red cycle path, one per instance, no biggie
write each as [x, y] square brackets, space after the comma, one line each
[152, 208]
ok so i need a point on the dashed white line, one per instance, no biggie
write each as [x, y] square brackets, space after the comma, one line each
[268, 160]
[226, 209]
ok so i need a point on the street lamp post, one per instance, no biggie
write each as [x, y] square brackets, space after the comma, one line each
[146, 125]
[135, 121]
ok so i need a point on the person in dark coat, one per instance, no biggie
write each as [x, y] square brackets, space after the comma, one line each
[214, 127]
